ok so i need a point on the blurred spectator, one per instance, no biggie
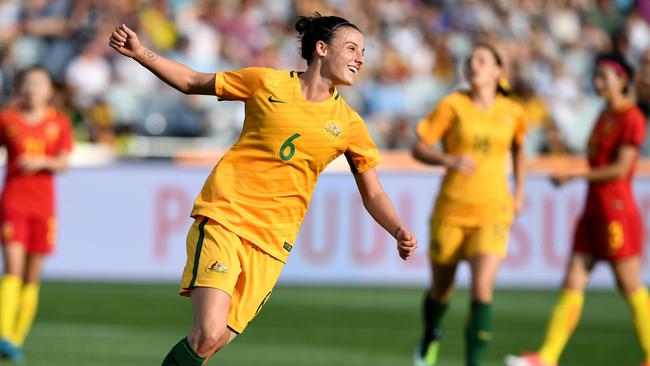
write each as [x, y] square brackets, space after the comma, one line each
[414, 51]
[537, 115]
[89, 75]
[642, 89]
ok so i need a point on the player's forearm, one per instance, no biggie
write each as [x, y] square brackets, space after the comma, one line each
[519, 169]
[425, 154]
[56, 164]
[176, 75]
[382, 210]
[603, 174]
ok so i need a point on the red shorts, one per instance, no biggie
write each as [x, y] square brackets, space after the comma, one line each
[38, 235]
[609, 237]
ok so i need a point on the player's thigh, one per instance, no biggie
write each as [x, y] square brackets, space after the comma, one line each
[33, 267]
[210, 316]
[446, 243]
[627, 272]
[484, 268]
[443, 276]
[260, 273]
[212, 257]
[13, 255]
[578, 271]
[210, 309]
[15, 236]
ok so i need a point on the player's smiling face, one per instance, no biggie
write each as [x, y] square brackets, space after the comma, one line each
[344, 56]
[482, 68]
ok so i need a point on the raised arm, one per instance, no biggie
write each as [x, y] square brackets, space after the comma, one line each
[380, 208]
[180, 77]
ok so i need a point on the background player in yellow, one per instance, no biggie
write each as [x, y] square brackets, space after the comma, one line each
[249, 211]
[478, 129]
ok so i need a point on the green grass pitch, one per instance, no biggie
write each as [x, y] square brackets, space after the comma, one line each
[101, 324]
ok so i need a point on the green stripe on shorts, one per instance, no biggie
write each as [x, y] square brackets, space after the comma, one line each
[197, 253]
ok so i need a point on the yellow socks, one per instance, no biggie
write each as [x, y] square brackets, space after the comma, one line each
[10, 287]
[563, 321]
[639, 302]
[26, 313]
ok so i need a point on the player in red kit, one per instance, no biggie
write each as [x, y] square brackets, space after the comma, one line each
[610, 227]
[38, 139]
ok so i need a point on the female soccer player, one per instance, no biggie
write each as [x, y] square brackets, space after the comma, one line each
[610, 227]
[38, 139]
[251, 207]
[474, 209]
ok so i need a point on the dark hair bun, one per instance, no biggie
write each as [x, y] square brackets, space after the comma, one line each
[304, 23]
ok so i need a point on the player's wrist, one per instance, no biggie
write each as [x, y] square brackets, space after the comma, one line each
[397, 231]
[449, 161]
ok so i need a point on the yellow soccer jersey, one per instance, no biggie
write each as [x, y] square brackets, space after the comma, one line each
[487, 136]
[261, 188]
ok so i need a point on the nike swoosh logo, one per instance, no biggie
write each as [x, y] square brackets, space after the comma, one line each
[275, 100]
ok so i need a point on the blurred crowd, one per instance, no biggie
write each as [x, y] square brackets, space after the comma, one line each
[415, 51]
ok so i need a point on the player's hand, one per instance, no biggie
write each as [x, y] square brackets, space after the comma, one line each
[125, 41]
[406, 243]
[464, 164]
[560, 179]
[31, 164]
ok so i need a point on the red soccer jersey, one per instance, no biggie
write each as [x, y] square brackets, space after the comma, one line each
[31, 195]
[613, 129]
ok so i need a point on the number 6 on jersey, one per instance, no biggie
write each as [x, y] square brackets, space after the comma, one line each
[288, 145]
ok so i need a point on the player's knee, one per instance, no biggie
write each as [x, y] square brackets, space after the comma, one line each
[483, 296]
[628, 286]
[441, 294]
[209, 341]
[575, 281]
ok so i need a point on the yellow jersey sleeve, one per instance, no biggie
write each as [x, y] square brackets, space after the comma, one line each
[239, 84]
[432, 127]
[362, 154]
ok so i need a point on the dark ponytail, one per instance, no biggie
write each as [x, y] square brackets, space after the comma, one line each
[312, 29]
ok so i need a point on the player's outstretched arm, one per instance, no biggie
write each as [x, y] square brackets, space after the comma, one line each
[182, 78]
[380, 208]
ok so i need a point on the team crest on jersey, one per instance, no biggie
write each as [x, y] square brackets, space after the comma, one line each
[218, 267]
[52, 132]
[332, 129]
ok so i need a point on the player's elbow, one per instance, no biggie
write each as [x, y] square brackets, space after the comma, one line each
[416, 153]
[199, 83]
[621, 171]
[62, 166]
